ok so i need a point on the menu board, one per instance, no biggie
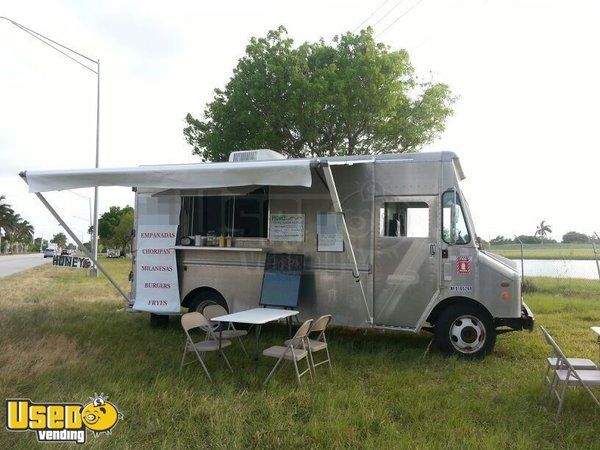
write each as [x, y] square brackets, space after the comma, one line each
[156, 281]
[286, 227]
[329, 239]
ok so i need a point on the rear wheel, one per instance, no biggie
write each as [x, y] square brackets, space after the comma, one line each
[203, 299]
[465, 330]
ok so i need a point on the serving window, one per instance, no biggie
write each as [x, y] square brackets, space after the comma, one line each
[243, 215]
[404, 219]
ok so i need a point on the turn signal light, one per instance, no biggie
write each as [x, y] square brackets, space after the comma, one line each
[505, 296]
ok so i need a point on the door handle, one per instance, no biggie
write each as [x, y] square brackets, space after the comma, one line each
[432, 249]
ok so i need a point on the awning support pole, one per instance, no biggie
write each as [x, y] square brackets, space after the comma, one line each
[337, 207]
[80, 244]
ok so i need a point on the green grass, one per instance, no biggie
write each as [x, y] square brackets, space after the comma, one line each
[545, 251]
[64, 336]
[569, 287]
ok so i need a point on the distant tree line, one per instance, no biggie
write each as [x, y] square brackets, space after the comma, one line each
[572, 237]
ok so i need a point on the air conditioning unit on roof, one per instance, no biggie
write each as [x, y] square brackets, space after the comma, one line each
[255, 155]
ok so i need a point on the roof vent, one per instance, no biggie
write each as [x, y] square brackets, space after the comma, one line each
[255, 155]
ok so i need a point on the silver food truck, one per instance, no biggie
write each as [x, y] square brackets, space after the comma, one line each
[388, 241]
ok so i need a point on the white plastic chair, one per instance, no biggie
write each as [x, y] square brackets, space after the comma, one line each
[566, 375]
[211, 311]
[290, 352]
[196, 320]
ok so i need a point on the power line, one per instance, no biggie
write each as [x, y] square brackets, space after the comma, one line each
[388, 13]
[399, 17]
[372, 14]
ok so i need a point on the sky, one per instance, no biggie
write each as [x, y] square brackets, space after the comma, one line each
[525, 72]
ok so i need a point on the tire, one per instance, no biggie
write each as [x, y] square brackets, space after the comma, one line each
[203, 299]
[465, 330]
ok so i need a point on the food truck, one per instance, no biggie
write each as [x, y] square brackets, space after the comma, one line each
[388, 241]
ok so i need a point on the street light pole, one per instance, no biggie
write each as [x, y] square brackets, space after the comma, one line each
[93, 269]
[54, 45]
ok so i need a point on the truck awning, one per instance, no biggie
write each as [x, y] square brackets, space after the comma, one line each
[294, 172]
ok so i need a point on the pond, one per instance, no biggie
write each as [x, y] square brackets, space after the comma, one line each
[560, 268]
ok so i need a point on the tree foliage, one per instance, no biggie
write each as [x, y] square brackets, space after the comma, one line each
[59, 239]
[115, 225]
[353, 96]
[543, 229]
[17, 230]
[122, 232]
[500, 240]
[574, 237]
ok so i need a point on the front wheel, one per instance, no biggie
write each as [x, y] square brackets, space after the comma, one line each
[465, 330]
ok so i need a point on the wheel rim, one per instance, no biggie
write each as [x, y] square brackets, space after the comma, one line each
[467, 334]
[203, 304]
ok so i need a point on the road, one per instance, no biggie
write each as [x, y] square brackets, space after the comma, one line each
[10, 264]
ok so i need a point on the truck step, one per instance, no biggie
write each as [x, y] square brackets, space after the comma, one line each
[394, 328]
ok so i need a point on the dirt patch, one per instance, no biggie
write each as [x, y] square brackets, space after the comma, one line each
[21, 360]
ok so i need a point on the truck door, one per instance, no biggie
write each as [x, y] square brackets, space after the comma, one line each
[406, 260]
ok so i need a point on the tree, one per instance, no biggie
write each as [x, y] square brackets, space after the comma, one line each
[6, 214]
[542, 230]
[528, 239]
[18, 232]
[499, 240]
[59, 239]
[37, 244]
[353, 96]
[574, 237]
[24, 231]
[109, 223]
[122, 235]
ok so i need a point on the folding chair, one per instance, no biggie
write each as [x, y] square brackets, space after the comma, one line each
[318, 344]
[577, 363]
[196, 320]
[566, 375]
[291, 353]
[211, 311]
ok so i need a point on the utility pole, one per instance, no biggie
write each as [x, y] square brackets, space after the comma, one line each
[76, 57]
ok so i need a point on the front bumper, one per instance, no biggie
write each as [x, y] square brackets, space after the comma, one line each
[525, 322]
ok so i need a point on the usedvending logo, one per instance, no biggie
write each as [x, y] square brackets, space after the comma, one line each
[62, 422]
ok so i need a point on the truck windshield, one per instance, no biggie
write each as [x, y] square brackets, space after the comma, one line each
[454, 225]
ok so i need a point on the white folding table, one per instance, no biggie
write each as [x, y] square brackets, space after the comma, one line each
[257, 317]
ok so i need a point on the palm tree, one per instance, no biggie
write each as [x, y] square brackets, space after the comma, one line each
[24, 231]
[18, 230]
[6, 214]
[542, 230]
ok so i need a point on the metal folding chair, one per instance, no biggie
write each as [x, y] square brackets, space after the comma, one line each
[318, 344]
[211, 311]
[291, 352]
[213, 344]
[566, 375]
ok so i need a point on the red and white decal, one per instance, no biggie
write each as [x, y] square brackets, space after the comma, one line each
[463, 265]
